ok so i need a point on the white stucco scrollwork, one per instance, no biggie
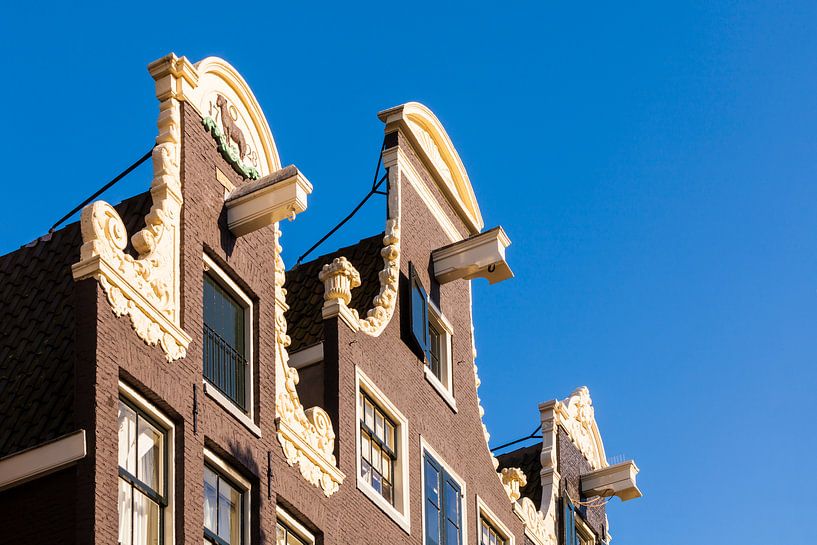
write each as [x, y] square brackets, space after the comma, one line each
[384, 303]
[146, 288]
[577, 416]
[306, 436]
[536, 526]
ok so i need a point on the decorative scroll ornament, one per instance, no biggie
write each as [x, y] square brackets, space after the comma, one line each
[513, 479]
[537, 528]
[577, 416]
[384, 303]
[306, 436]
[146, 288]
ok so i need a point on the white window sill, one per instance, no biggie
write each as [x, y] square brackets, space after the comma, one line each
[390, 510]
[441, 389]
[225, 402]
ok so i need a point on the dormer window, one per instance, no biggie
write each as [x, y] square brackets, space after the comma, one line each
[432, 333]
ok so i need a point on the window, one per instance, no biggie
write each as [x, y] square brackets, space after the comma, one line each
[142, 477]
[575, 531]
[442, 503]
[488, 535]
[289, 531]
[382, 454]
[227, 339]
[226, 495]
[377, 444]
[490, 529]
[433, 333]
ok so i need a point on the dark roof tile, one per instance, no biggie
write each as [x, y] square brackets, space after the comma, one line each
[305, 290]
[37, 315]
[528, 460]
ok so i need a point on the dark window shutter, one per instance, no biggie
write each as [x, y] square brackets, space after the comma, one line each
[419, 311]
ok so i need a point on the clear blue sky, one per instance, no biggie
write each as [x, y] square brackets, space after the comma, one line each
[653, 163]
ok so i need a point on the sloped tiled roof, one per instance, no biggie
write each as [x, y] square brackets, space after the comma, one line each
[527, 459]
[305, 290]
[37, 321]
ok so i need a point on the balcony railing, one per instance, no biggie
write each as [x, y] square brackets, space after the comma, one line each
[224, 367]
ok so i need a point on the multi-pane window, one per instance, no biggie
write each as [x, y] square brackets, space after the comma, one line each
[443, 505]
[142, 458]
[284, 535]
[378, 447]
[488, 534]
[225, 341]
[223, 509]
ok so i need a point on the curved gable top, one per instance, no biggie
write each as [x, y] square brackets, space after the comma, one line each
[577, 416]
[432, 142]
[216, 77]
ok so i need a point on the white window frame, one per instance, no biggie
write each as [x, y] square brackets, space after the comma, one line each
[484, 512]
[583, 532]
[248, 418]
[399, 512]
[425, 448]
[444, 385]
[292, 523]
[241, 483]
[133, 397]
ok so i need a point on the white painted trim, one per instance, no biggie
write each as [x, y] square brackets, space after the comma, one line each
[307, 356]
[446, 356]
[227, 404]
[292, 523]
[425, 448]
[400, 513]
[424, 192]
[225, 469]
[229, 284]
[135, 398]
[586, 535]
[440, 388]
[38, 461]
[483, 511]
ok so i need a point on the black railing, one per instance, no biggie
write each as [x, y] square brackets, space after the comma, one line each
[224, 367]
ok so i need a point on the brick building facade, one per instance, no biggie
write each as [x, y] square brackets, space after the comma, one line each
[180, 385]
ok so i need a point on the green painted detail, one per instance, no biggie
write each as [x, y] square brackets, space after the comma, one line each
[229, 150]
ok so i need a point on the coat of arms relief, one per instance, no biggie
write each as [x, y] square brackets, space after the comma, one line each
[225, 123]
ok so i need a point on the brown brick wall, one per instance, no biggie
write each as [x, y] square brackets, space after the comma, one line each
[348, 517]
[397, 371]
[572, 465]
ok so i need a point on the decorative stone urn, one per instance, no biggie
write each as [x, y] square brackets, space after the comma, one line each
[339, 277]
[512, 479]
